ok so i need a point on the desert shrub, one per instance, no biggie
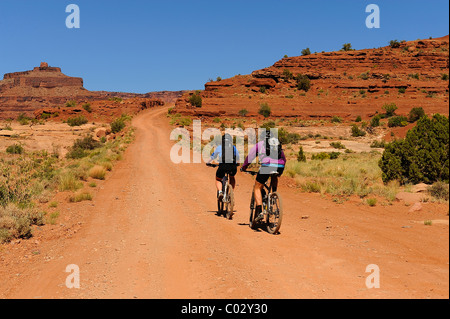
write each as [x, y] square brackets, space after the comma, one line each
[243, 112]
[375, 121]
[324, 156]
[444, 77]
[77, 120]
[415, 114]
[87, 107]
[402, 90]
[347, 47]
[288, 138]
[15, 149]
[23, 119]
[262, 89]
[358, 119]
[390, 109]
[336, 119]
[439, 190]
[394, 44]
[338, 145]
[196, 100]
[378, 144]
[265, 110]
[118, 125]
[303, 82]
[397, 121]
[268, 125]
[364, 76]
[371, 202]
[71, 103]
[357, 132]
[422, 156]
[301, 157]
[306, 51]
[287, 75]
[16, 222]
[81, 146]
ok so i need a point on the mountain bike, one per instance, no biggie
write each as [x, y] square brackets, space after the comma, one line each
[272, 213]
[225, 206]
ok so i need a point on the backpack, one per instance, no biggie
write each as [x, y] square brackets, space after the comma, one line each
[227, 149]
[273, 148]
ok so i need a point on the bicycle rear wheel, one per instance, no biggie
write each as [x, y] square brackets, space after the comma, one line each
[230, 203]
[219, 207]
[275, 214]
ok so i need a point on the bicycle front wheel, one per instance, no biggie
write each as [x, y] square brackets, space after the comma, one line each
[275, 214]
[252, 213]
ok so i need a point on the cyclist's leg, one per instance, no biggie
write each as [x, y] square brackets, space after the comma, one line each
[274, 179]
[258, 194]
[220, 174]
[232, 177]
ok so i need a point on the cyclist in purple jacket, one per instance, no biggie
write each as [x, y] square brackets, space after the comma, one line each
[272, 159]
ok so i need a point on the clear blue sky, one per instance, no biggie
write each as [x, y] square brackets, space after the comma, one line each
[142, 46]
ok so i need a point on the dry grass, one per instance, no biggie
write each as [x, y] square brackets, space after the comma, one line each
[16, 222]
[350, 174]
[97, 172]
[80, 196]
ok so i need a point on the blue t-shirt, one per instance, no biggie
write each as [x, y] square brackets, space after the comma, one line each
[218, 154]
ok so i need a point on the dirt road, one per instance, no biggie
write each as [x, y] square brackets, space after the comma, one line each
[152, 232]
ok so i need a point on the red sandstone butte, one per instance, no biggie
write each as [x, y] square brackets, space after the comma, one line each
[346, 84]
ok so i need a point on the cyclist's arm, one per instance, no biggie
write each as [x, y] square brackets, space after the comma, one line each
[214, 155]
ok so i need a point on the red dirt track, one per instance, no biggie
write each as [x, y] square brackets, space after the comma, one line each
[152, 232]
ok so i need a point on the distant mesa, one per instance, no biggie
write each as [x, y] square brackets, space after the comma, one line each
[47, 87]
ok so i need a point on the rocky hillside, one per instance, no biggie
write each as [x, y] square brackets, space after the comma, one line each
[47, 89]
[344, 83]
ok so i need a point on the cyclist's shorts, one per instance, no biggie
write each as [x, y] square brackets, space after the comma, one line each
[224, 168]
[265, 172]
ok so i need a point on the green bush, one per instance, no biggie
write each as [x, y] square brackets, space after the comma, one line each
[77, 121]
[265, 110]
[415, 114]
[324, 156]
[71, 103]
[357, 132]
[347, 47]
[81, 146]
[422, 156]
[390, 109]
[87, 107]
[15, 149]
[118, 125]
[394, 44]
[397, 121]
[375, 121]
[287, 75]
[243, 112]
[288, 138]
[301, 157]
[303, 82]
[336, 119]
[196, 100]
[306, 51]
